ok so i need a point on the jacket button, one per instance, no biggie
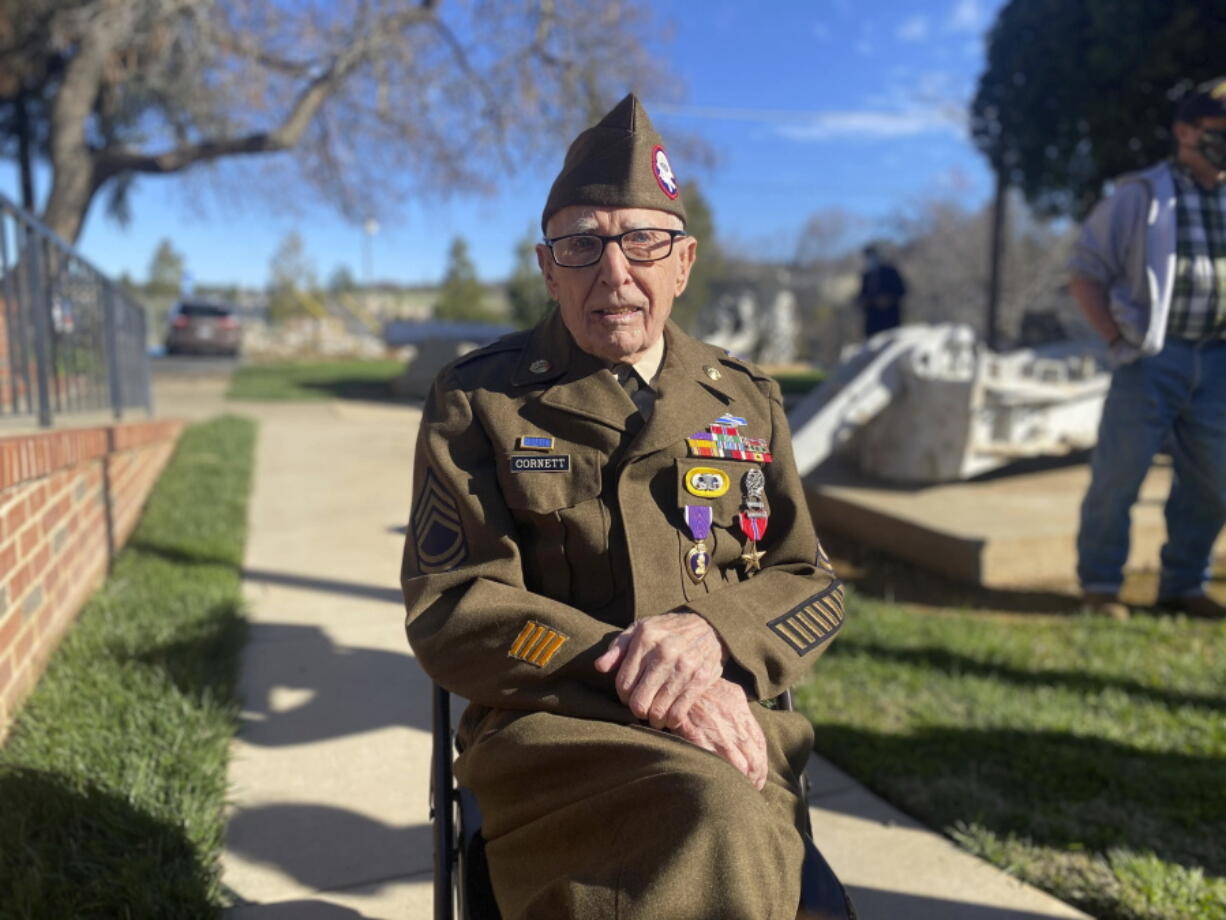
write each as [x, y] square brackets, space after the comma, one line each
[712, 372]
[540, 366]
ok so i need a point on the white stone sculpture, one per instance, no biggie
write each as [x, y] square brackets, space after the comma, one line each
[731, 323]
[778, 332]
[927, 404]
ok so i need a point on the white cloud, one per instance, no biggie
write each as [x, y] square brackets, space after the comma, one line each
[908, 89]
[966, 16]
[914, 29]
[872, 125]
[883, 122]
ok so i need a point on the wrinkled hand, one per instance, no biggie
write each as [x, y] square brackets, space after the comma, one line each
[722, 722]
[664, 664]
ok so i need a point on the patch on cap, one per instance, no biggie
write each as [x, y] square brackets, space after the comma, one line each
[663, 169]
[619, 162]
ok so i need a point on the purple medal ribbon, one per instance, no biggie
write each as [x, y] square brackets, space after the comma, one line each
[698, 520]
[698, 559]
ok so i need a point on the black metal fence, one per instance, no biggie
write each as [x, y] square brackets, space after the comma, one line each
[71, 339]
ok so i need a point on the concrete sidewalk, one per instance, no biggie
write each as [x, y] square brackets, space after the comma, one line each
[330, 771]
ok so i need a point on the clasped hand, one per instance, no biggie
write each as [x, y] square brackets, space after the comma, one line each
[669, 671]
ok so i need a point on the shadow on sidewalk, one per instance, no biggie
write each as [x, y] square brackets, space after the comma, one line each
[875, 903]
[299, 686]
[327, 848]
[329, 585]
[295, 910]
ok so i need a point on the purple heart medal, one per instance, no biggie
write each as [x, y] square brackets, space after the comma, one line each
[753, 519]
[698, 559]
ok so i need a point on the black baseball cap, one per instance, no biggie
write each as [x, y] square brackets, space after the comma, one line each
[1208, 100]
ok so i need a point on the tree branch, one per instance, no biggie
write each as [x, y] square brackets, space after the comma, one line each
[492, 109]
[113, 161]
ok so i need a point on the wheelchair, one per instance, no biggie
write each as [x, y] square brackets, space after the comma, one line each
[462, 889]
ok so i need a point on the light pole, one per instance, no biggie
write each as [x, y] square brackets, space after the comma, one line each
[370, 227]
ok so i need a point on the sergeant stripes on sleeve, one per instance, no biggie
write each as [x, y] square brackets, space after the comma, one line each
[536, 644]
[812, 622]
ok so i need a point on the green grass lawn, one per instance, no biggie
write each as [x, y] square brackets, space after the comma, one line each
[291, 380]
[1084, 755]
[797, 383]
[371, 379]
[113, 779]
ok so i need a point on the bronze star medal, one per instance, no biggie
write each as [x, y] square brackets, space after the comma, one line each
[753, 519]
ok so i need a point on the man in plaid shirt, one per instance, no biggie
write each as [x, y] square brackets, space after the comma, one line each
[1149, 272]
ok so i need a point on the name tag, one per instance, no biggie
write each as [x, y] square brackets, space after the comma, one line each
[534, 463]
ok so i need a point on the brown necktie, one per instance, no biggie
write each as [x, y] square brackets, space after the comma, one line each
[632, 384]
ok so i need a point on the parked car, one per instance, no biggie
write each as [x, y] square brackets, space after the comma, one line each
[203, 327]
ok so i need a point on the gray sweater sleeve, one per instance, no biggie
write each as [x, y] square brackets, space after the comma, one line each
[1104, 248]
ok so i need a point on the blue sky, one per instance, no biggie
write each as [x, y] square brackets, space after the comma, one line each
[851, 104]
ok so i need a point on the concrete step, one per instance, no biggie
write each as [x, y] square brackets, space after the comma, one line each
[1006, 531]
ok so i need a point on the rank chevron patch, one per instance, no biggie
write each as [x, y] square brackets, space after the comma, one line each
[809, 624]
[823, 561]
[437, 529]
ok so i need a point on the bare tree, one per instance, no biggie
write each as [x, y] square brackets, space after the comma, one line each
[291, 281]
[376, 98]
[944, 258]
[828, 235]
[941, 248]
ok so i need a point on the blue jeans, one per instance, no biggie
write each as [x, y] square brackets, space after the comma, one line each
[1176, 397]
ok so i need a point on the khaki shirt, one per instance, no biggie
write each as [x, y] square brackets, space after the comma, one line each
[521, 563]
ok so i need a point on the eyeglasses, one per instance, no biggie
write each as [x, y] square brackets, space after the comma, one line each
[579, 250]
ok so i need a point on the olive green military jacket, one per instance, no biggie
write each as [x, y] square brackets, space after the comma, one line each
[540, 528]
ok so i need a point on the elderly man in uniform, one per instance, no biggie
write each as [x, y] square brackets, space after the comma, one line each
[610, 556]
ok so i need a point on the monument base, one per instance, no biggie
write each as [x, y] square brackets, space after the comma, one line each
[1013, 532]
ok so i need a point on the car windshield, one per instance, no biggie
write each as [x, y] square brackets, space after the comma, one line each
[204, 309]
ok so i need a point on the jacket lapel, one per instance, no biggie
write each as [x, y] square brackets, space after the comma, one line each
[581, 384]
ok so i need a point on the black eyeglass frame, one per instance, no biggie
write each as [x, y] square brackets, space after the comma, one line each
[605, 240]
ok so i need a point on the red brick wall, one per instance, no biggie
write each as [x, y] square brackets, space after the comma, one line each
[56, 492]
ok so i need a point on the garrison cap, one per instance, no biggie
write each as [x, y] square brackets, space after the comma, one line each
[617, 163]
[1208, 100]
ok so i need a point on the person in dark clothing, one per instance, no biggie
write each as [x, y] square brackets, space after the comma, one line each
[881, 292]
